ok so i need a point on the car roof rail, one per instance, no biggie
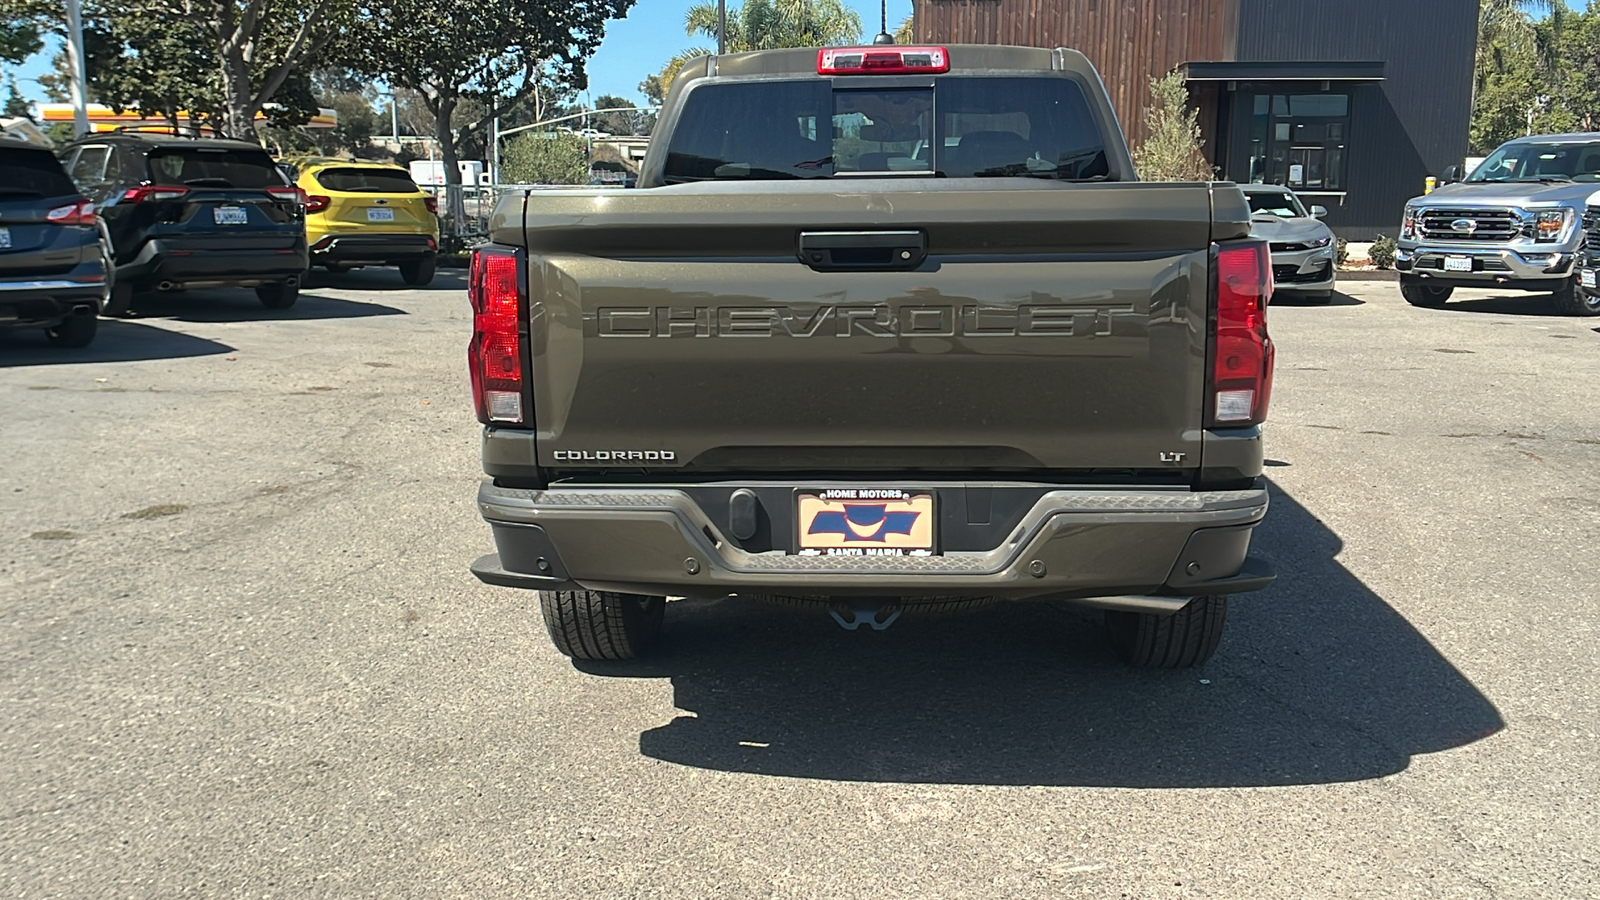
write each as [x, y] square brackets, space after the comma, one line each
[190, 131]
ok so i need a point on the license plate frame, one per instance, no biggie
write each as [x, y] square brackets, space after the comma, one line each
[866, 521]
[1458, 264]
[230, 215]
[5, 238]
[379, 214]
[1586, 277]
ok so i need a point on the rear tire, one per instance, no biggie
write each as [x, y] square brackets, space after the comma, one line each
[76, 330]
[279, 294]
[419, 272]
[1572, 301]
[1185, 638]
[1428, 296]
[602, 624]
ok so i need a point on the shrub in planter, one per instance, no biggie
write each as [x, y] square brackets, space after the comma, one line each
[1382, 252]
[1343, 251]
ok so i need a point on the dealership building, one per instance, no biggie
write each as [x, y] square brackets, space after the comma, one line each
[1352, 103]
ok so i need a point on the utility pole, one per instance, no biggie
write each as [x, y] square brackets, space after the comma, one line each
[722, 27]
[80, 79]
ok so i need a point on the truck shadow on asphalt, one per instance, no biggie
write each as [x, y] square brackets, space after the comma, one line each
[1515, 303]
[241, 305]
[1318, 681]
[382, 278]
[116, 341]
[1339, 298]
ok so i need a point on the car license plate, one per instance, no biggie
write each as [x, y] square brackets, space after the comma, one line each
[380, 215]
[230, 215]
[865, 522]
[5, 238]
[1458, 264]
[1585, 276]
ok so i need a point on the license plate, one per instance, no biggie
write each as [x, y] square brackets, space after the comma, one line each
[230, 215]
[5, 238]
[1458, 264]
[865, 522]
[1585, 277]
[380, 215]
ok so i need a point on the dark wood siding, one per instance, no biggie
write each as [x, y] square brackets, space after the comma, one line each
[1409, 126]
[1129, 41]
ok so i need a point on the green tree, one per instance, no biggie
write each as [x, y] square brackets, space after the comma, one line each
[15, 106]
[452, 52]
[545, 158]
[1172, 150]
[903, 33]
[768, 25]
[19, 39]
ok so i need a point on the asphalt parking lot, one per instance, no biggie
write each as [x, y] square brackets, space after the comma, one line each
[244, 656]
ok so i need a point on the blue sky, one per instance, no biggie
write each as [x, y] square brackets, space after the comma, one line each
[634, 47]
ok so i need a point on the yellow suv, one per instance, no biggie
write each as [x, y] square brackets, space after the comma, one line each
[367, 214]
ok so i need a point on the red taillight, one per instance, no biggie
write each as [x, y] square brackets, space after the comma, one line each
[433, 204]
[495, 355]
[316, 203]
[288, 192]
[1242, 356]
[80, 213]
[146, 193]
[882, 60]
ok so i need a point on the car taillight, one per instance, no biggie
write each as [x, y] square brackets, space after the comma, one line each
[494, 357]
[146, 193]
[316, 203]
[1242, 353]
[433, 204]
[80, 213]
[879, 60]
[288, 192]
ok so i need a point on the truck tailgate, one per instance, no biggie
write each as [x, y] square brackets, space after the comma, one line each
[1049, 327]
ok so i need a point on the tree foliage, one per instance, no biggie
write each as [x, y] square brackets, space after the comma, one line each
[19, 39]
[768, 25]
[496, 54]
[553, 158]
[1172, 149]
[1535, 76]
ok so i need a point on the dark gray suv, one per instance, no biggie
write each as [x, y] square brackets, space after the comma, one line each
[52, 263]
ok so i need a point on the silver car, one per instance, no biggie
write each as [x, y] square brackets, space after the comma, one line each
[1302, 246]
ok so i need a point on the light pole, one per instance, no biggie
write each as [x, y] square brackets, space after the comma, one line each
[722, 26]
[80, 80]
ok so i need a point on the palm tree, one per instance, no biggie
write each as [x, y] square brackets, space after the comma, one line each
[768, 25]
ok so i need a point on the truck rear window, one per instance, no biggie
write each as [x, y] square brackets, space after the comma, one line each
[356, 180]
[964, 127]
[203, 167]
[26, 172]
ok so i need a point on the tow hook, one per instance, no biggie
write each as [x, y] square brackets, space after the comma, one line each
[852, 615]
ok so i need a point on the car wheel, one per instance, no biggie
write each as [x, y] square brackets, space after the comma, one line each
[119, 300]
[77, 330]
[1182, 639]
[419, 272]
[1429, 296]
[279, 294]
[337, 268]
[602, 624]
[1572, 301]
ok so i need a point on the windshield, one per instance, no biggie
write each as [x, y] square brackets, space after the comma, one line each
[964, 127]
[354, 180]
[1282, 204]
[1541, 162]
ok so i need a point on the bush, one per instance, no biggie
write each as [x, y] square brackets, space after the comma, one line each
[1382, 252]
[559, 158]
[1172, 149]
[1343, 251]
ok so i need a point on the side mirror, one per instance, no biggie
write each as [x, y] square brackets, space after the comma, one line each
[1452, 174]
[1318, 212]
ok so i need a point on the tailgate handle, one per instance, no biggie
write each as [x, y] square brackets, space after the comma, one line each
[838, 251]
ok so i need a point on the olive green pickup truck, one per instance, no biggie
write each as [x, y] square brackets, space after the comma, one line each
[883, 329]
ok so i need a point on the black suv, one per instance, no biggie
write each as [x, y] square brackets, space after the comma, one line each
[52, 266]
[190, 212]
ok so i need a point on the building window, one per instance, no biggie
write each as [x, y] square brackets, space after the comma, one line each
[1298, 140]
